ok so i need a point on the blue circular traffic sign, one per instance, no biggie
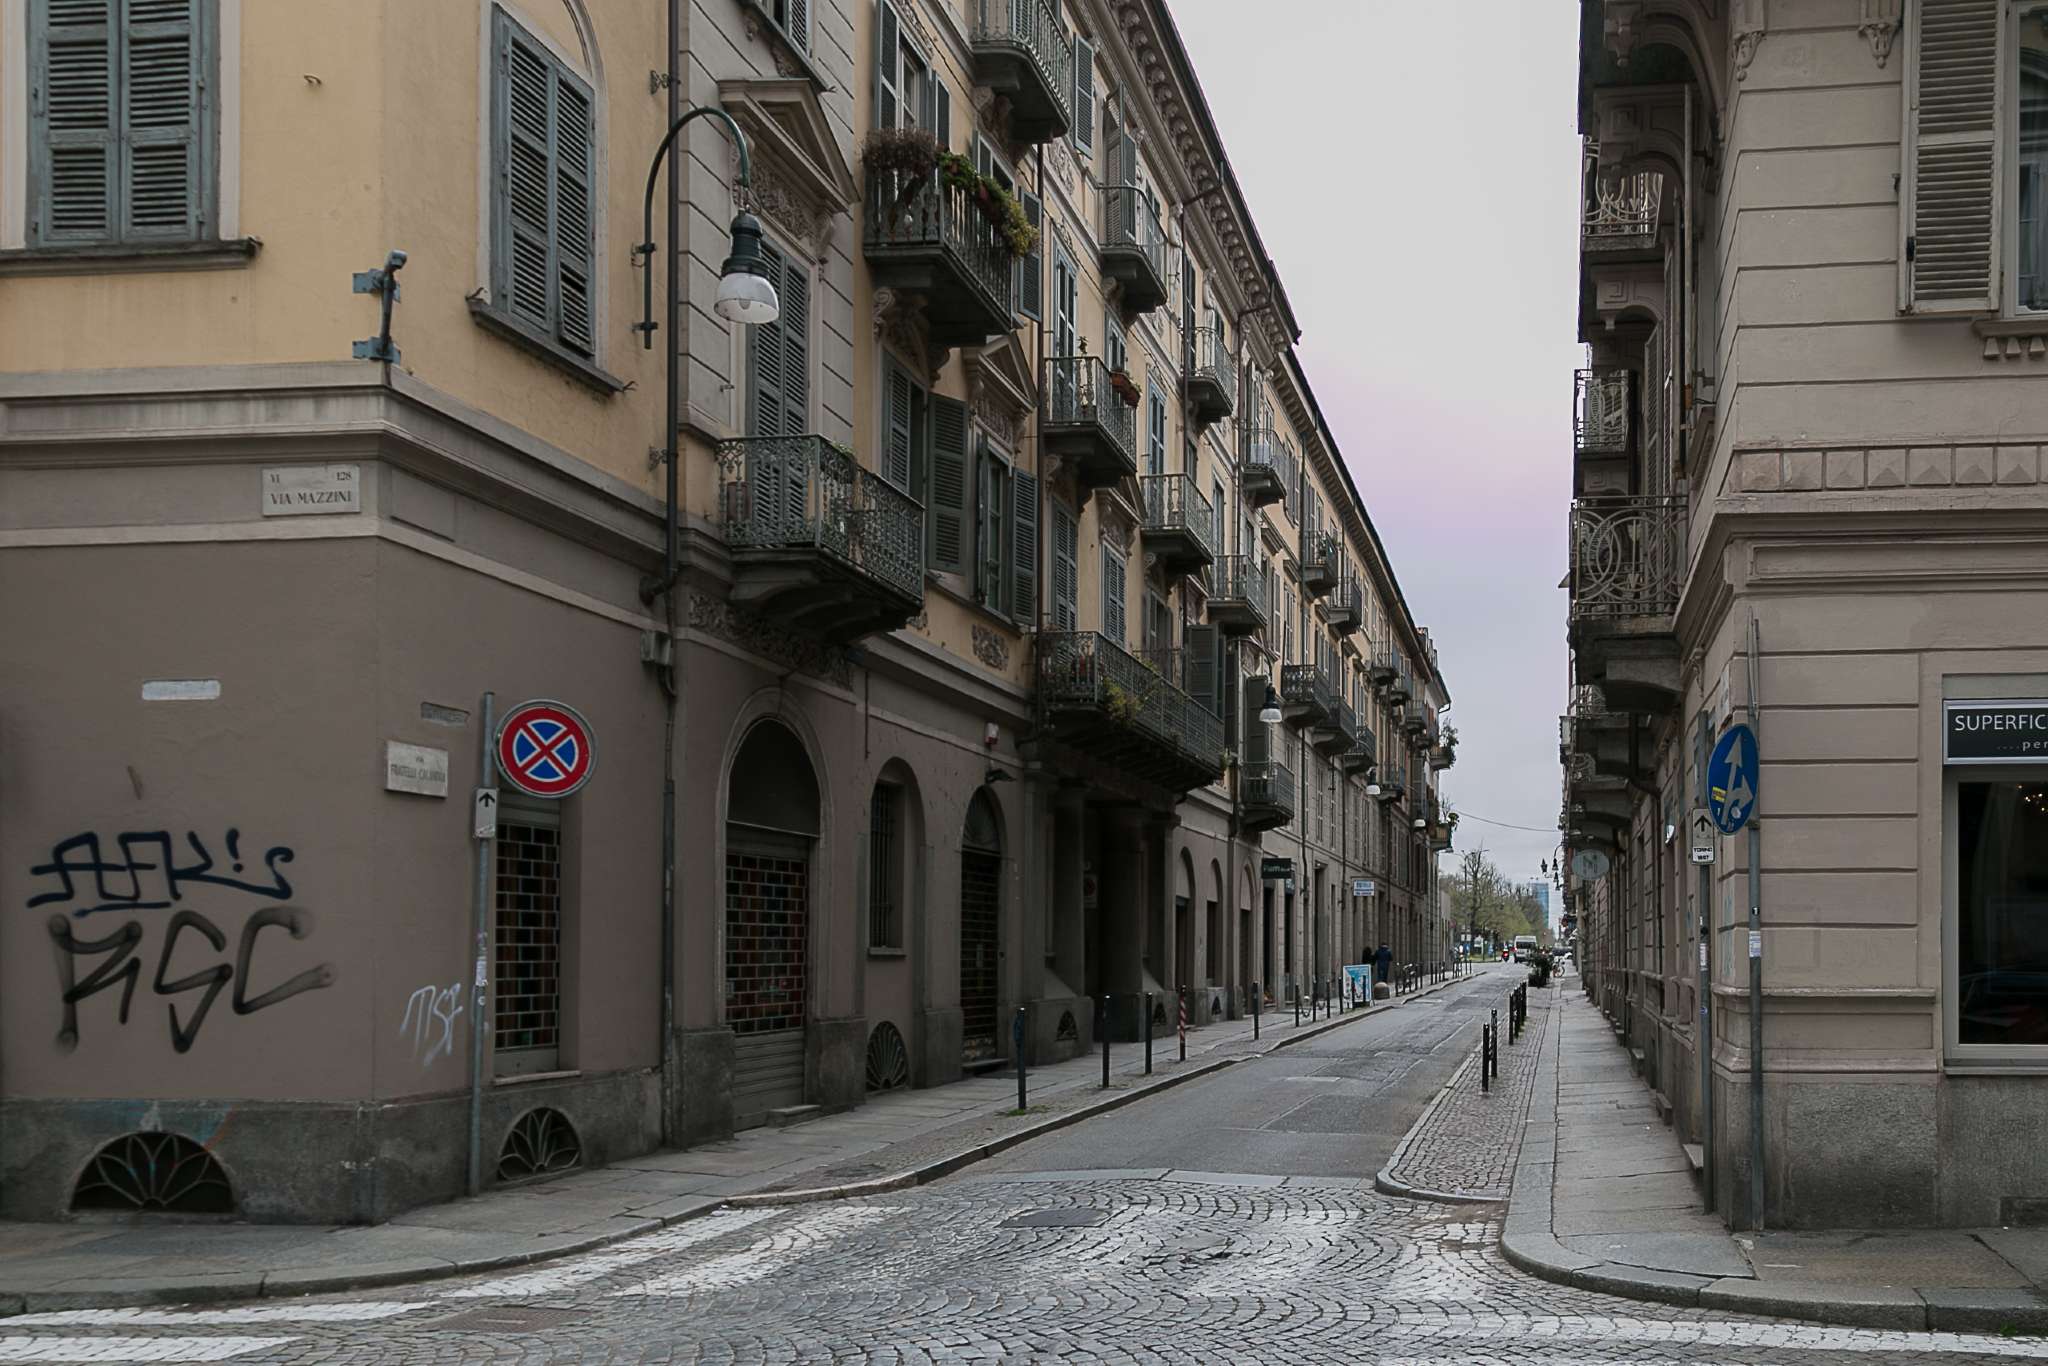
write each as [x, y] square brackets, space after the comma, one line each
[1732, 774]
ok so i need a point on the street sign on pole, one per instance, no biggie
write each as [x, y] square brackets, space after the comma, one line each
[1704, 843]
[545, 749]
[1590, 865]
[1732, 779]
[484, 808]
[1361, 886]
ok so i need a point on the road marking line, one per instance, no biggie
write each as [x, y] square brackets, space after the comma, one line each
[1529, 1329]
[596, 1266]
[50, 1349]
[364, 1312]
[773, 1253]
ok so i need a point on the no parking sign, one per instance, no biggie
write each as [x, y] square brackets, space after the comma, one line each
[545, 749]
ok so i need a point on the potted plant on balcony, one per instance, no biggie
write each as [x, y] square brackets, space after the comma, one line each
[909, 154]
[1126, 388]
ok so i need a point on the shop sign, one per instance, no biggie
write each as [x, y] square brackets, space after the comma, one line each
[1275, 869]
[1995, 733]
[1361, 886]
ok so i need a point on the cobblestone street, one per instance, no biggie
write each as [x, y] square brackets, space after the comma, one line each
[1289, 1256]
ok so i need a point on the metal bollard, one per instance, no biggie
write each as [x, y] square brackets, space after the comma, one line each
[1017, 1040]
[1255, 1012]
[1105, 1043]
[1148, 1033]
[1183, 1024]
[1485, 1050]
[1297, 1008]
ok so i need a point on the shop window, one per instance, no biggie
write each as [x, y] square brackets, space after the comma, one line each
[2001, 987]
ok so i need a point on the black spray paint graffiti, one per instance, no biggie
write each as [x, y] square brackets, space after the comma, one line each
[72, 859]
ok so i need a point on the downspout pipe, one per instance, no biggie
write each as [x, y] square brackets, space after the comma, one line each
[671, 1100]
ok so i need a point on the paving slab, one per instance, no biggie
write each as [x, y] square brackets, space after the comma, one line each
[1941, 1258]
[2023, 1249]
[1958, 1310]
[1711, 1254]
[1855, 1306]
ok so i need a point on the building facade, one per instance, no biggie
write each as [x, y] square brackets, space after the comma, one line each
[933, 696]
[1808, 493]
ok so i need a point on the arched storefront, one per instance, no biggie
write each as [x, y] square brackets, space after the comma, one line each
[981, 901]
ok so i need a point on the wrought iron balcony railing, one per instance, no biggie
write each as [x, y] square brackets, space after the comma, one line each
[1134, 246]
[1338, 730]
[1627, 556]
[783, 494]
[1305, 692]
[1624, 211]
[1266, 791]
[1128, 710]
[1346, 605]
[931, 239]
[1086, 419]
[1268, 469]
[1022, 52]
[1319, 554]
[1364, 754]
[1237, 597]
[1180, 524]
[1401, 684]
[1210, 375]
[1600, 417]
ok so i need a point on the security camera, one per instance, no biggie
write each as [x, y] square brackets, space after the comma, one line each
[991, 735]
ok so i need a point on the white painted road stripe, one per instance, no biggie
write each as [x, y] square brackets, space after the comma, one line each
[1533, 1330]
[597, 1265]
[48, 1348]
[365, 1312]
[770, 1254]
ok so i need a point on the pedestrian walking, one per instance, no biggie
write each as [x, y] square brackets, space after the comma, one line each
[1383, 962]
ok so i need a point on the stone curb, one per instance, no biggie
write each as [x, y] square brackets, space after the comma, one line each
[1386, 1183]
[1529, 1243]
[304, 1281]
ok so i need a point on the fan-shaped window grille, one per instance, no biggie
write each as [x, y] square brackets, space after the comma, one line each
[888, 1060]
[984, 829]
[1159, 1013]
[1216, 1007]
[541, 1142]
[1067, 1031]
[154, 1173]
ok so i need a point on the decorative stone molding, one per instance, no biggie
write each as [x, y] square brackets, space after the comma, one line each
[2013, 338]
[899, 321]
[912, 18]
[1618, 28]
[990, 647]
[1747, 26]
[721, 619]
[1896, 467]
[1881, 26]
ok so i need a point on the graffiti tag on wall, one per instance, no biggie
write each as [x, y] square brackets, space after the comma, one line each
[150, 871]
[430, 1021]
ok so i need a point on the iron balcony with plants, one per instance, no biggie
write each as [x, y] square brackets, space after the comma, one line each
[1209, 376]
[1179, 524]
[1089, 418]
[1022, 52]
[1237, 595]
[1125, 713]
[938, 230]
[1134, 247]
[819, 544]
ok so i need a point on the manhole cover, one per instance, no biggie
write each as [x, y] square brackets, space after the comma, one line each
[1056, 1218]
[507, 1319]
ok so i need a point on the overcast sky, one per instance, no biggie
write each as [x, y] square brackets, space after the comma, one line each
[1425, 231]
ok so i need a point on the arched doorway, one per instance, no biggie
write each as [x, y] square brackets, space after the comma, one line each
[1184, 925]
[771, 830]
[981, 901]
[1245, 939]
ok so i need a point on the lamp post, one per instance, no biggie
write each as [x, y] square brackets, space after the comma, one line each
[745, 295]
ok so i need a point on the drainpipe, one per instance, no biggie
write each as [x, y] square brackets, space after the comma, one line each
[667, 673]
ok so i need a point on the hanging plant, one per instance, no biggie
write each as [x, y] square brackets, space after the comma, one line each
[905, 151]
[1126, 388]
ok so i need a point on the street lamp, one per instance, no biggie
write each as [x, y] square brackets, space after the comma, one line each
[744, 293]
[1269, 712]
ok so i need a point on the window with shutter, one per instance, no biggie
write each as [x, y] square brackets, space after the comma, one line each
[543, 257]
[2030, 182]
[794, 19]
[1155, 447]
[122, 121]
[888, 72]
[900, 444]
[1024, 548]
[1083, 131]
[1113, 595]
[1204, 671]
[1031, 266]
[1066, 569]
[992, 528]
[778, 355]
[1951, 162]
[946, 508]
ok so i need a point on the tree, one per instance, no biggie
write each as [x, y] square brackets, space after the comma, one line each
[1485, 902]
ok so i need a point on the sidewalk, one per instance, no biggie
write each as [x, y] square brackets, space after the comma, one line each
[1604, 1198]
[896, 1139]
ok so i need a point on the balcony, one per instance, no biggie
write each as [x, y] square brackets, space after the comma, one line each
[1346, 605]
[1125, 713]
[1133, 247]
[1380, 667]
[1441, 824]
[1396, 670]
[819, 544]
[1363, 756]
[1337, 731]
[1306, 697]
[1180, 526]
[1266, 792]
[928, 240]
[1237, 597]
[1022, 53]
[1087, 422]
[1621, 218]
[1319, 564]
[1267, 470]
[1627, 567]
[1600, 418]
[1210, 378]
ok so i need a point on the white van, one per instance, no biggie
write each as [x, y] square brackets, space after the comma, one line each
[1525, 946]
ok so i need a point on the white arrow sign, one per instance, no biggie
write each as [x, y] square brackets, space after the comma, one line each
[1701, 827]
[484, 813]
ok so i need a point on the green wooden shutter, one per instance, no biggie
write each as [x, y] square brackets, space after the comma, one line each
[990, 525]
[1201, 666]
[1257, 734]
[1084, 96]
[888, 51]
[75, 117]
[765, 404]
[939, 117]
[523, 266]
[1023, 547]
[1113, 586]
[899, 457]
[1950, 189]
[946, 508]
[573, 240]
[1066, 569]
[793, 331]
[160, 93]
[1031, 265]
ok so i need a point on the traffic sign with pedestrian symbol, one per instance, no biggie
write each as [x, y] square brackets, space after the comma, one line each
[1732, 779]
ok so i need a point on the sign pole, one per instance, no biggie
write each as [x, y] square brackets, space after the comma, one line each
[1756, 966]
[480, 934]
[1704, 1035]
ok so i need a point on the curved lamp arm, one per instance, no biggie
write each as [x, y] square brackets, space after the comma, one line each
[646, 326]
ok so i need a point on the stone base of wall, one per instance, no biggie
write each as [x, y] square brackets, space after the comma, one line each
[942, 1031]
[704, 1097]
[320, 1163]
